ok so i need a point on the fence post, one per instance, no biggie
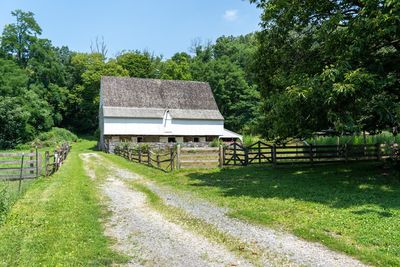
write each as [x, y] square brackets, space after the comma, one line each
[37, 162]
[46, 163]
[273, 154]
[129, 154]
[148, 157]
[171, 154]
[31, 164]
[55, 165]
[378, 151]
[311, 154]
[20, 173]
[140, 154]
[259, 152]
[178, 157]
[234, 153]
[158, 160]
[221, 156]
[246, 156]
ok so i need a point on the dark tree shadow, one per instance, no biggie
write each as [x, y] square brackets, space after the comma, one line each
[337, 186]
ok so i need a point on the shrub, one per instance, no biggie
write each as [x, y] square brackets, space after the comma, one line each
[54, 137]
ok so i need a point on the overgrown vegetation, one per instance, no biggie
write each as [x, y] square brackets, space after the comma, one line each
[350, 208]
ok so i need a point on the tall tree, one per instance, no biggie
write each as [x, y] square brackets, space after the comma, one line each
[331, 64]
[18, 37]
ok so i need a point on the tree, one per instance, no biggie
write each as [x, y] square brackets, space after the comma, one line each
[13, 80]
[331, 64]
[177, 68]
[83, 103]
[18, 37]
[137, 64]
[236, 99]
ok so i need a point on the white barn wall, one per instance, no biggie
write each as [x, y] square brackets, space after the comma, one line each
[178, 127]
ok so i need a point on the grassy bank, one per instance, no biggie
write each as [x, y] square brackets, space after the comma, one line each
[349, 208]
[56, 223]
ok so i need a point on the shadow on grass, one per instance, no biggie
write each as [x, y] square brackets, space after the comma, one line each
[338, 186]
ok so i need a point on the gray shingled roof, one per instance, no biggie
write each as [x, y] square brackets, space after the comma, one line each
[119, 112]
[148, 98]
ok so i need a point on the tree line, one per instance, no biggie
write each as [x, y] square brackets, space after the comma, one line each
[330, 65]
[42, 86]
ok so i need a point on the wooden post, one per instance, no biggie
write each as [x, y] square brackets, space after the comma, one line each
[148, 157]
[37, 162]
[20, 173]
[46, 163]
[311, 154]
[178, 157]
[221, 156]
[129, 154]
[259, 152]
[246, 156]
[140, 154]
[378, 151]
[273, 154]
[158, 160]
[171, 155]
[234, 153]
[31, 164]
[55, 166]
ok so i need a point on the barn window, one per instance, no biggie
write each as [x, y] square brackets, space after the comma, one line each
[140, 139]
[196, 139]
[171, 140]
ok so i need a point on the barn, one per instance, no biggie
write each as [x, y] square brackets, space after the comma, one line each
[159, 111]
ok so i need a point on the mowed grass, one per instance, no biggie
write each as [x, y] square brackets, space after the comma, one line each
[350, 208]
[57, 222]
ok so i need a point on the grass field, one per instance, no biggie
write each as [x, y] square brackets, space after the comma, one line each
[57, 222]
[349, 208]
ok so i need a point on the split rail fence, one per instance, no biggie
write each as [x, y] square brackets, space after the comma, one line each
[20, 166]
[236, 154]
[260, 152]
[173, 158]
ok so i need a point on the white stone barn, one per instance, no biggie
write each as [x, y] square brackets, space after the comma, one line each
[159, 111]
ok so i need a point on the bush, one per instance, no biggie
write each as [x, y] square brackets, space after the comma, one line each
[54, 137]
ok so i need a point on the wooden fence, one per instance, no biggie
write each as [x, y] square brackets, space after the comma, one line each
[173, 158]
[54, 161]
[163, 160]
[259, 153]
[199, 157]
[21, 166]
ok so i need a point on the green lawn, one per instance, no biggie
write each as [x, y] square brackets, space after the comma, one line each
[56, 222]
[350, 208]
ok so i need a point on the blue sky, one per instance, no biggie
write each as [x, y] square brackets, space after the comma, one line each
[159, 26]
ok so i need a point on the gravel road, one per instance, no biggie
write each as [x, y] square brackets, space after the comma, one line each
[145, 235]
[151, 240]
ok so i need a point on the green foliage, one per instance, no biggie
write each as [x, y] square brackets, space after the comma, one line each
[18, 37]
[383, 138]
[54, 137]
[137, 64]
[328, 64]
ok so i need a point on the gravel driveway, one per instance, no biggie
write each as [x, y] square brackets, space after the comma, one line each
[145, 235]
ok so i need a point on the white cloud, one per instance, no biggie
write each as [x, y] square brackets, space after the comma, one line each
[231, 15]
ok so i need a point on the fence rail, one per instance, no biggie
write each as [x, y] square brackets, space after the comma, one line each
[159, 159]
[259, 153]
[20, 166]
